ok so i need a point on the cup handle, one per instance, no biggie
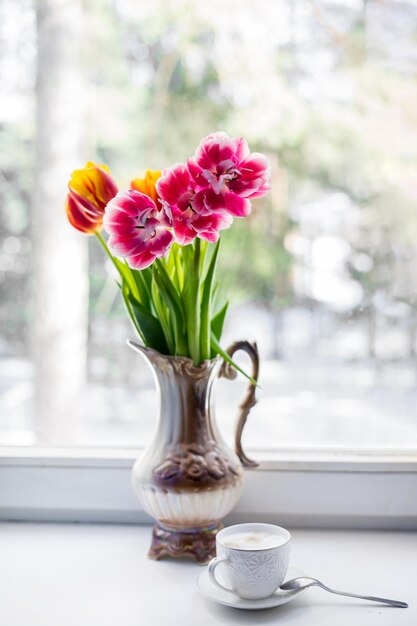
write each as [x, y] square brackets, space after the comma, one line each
[212, 569]
[227, 371]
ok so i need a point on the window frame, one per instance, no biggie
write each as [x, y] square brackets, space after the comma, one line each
[292, 487]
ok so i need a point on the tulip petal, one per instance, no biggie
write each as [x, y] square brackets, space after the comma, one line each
[236, 205]
[174, 183]
[147, 185]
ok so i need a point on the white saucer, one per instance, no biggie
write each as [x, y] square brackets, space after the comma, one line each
[229, 598]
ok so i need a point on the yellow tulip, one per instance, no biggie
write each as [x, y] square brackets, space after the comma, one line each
[147, 184]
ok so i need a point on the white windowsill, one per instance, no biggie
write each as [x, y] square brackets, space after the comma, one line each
[96, 575]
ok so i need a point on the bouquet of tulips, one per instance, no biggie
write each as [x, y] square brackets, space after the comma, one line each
[160, 231]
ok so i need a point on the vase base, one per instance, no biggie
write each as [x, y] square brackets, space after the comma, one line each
[197, 543]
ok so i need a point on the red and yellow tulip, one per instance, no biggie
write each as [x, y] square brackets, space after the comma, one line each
[90, 189]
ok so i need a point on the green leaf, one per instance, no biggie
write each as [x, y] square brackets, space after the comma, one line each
[143, 284]
[174, 267]
[150, 327]
[166, 286]
[217, 322]
[171, 298]
[162, 314]
[187, 254]
[206, 303]
[126, 275]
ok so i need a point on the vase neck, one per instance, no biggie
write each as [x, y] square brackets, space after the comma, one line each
[186, 414]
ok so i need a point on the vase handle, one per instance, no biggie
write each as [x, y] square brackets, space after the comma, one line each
[227, 371]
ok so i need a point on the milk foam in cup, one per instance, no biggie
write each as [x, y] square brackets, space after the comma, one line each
[253, 541]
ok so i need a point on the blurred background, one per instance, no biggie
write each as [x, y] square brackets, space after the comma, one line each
[323, 274]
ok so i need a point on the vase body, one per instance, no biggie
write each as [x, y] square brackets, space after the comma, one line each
[188, 479]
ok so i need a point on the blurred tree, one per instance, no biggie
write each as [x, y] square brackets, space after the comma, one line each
[60, 285]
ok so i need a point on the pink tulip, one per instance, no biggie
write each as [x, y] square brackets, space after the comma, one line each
[192, 210]
[138, 230]
[233, 174]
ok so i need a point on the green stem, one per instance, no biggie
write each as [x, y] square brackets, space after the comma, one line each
[179, 269]
[206, 304]
[194, 312]
[106, 250]
[131, 314]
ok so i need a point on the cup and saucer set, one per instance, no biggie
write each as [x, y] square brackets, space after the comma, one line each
[252, 571]
[252, 562]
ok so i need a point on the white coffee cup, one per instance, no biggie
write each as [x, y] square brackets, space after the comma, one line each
[253, 559]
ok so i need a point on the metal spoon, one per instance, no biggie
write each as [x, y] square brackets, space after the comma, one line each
[296, 584]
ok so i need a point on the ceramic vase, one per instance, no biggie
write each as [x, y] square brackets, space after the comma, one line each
[188, 479]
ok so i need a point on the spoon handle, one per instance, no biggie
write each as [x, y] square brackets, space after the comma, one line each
[396, 603]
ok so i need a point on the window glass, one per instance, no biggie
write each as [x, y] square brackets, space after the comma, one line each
[322, 274]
